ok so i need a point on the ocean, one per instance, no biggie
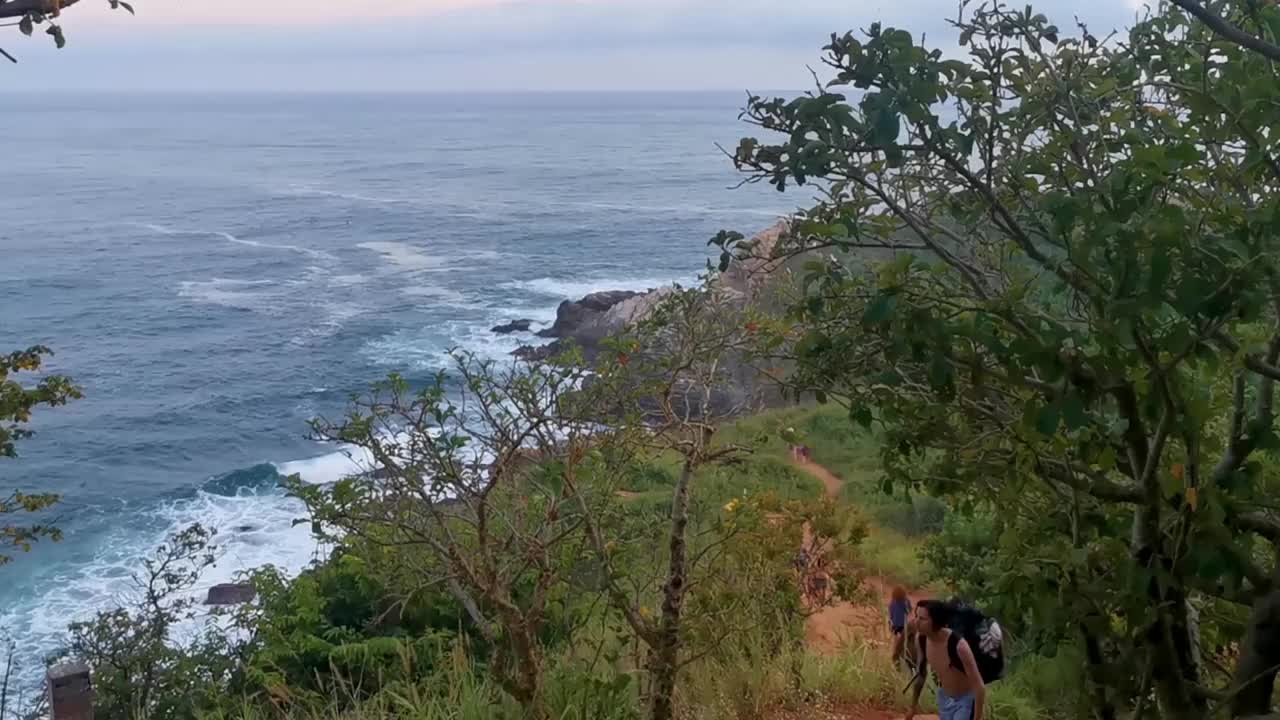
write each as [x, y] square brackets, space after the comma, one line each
[214, 271]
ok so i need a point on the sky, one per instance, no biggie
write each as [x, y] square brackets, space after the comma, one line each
[469, 45]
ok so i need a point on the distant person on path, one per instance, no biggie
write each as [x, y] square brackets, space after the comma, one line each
[899, 615]
[962, 694]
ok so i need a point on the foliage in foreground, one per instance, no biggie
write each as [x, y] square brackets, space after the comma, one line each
[1078, 337]
[32, 15]
[17, 402]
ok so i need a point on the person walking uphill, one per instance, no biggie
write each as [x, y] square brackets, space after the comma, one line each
[962, 694]
[899, 614]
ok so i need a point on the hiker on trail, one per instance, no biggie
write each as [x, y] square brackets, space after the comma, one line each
[899, 614]
[962, 694]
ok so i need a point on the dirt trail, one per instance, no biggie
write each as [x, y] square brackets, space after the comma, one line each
[830, 629]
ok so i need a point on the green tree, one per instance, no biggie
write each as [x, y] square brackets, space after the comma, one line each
[471, 496]
[139, 670]
[1078, 333]
[17, 402]
[31, 14]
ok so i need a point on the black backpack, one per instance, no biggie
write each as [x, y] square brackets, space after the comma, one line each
[985, 639]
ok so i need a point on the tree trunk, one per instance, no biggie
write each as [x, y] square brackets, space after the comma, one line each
[665, 660]
[1103, 707]
[1169, 635]
[527, 675]
[1176, 668]
[1259, 655]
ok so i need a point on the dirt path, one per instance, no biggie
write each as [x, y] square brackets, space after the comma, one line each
[829, 480]
[829, 630]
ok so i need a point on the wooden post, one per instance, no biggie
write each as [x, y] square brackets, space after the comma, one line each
[70, 692]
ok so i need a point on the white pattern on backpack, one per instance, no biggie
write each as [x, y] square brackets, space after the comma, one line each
[992, 638]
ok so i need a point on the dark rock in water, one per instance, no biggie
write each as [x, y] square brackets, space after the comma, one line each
[245, 528]
[572, 315]
[538, 353]
[512, 327]
[230, 594]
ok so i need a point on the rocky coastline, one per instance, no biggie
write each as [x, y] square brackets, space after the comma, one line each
[586, 323]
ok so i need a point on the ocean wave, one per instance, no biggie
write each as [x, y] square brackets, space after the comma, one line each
[439, 293]
[330, 467]
[231, 293]
[165, 230]
[403, 256]
[491, 210]
[679, 209]
[253, 524]
[427, 348]
[304, 190]
[576, 288]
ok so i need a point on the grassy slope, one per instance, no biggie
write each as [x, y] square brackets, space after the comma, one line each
[892, 549]
[899, 527]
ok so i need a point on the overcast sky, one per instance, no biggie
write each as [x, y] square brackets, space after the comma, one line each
[469, 45]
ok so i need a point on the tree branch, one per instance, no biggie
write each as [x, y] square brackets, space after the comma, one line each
[1229, 31]
[19, 8]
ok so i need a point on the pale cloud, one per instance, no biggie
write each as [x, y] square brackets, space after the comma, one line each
[489, 45]
[281, 13]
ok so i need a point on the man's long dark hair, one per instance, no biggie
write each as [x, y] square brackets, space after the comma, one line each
[940, 613]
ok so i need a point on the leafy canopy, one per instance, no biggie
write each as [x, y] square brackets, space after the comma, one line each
[1077, 324]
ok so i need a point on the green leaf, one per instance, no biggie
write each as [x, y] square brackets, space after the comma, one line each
[25, 25]
[1107, 459]
[861, 415]
[1160, 268]
[1074, 415]
[58, 39]
[1048, 418]
[885, 127]
[880, 309]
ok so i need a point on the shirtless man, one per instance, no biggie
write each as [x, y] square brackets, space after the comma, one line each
[961, 692]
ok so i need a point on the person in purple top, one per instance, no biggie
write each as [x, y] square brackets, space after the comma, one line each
[899, 613]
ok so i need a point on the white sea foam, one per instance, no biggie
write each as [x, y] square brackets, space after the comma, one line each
[403, 256]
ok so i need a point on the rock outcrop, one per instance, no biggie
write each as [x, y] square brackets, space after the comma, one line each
[576, 316]
[588, 322]
[514, 326]
[230, 594]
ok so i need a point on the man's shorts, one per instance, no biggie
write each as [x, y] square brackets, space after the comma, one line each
[950, 708]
